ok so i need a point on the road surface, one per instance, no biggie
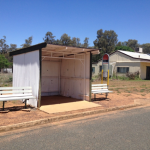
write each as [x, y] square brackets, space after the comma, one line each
[121, 130]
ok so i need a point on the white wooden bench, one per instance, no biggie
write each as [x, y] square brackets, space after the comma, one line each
[15, 93]
[99, 89]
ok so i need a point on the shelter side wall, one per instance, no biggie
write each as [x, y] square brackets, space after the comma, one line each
[26, 73]
[50, 77]
[75, 78]
[143, 66]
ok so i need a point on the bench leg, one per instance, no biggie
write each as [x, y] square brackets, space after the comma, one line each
[26, 103]
[94, 97]
[106, 95]
[3, 104]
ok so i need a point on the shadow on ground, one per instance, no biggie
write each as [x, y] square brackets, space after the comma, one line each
[51, 100]
[101, 99]
[16, 108]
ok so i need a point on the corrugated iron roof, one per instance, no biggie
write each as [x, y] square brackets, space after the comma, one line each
[135, 55]
[55, 48]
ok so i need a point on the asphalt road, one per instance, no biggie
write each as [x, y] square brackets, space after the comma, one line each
[121, 130]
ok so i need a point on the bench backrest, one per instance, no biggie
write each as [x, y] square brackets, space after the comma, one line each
[99, 87]
[16, 90]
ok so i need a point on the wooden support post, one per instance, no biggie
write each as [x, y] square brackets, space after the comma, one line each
[84, 78]
[40, 76]
[90, 83]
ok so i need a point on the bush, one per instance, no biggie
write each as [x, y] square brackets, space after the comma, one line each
[133, 76]
[128, 76]
[96, 77]
[9, 79]
[5, 79]
[123, 78]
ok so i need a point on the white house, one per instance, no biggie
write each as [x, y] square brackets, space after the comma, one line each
[124, 61]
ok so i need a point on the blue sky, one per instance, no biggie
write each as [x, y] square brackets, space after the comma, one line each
[130, 19]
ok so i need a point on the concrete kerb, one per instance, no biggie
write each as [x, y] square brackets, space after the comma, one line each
[61, 118]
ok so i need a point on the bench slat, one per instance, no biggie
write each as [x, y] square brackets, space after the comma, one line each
[99, 88]
[96, 92]
[17, 98]
[24, 91]
[99, 84]
[11, 88]
[15, 95]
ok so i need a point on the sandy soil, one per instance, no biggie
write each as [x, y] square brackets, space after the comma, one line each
[124, 93]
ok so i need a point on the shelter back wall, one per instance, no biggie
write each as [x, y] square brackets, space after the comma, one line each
[26, 73]
[74, 79]
[66, 77]
[50, 77]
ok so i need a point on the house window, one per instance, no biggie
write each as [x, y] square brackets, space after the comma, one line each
[100, 68]
[122, 69]
[93, 69]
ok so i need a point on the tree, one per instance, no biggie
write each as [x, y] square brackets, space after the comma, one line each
[119, 44]
[86, 42]
[65, 39]
[106, 41]
[125, 48]
[13, 47]
[75, 42]
[78, 42]
[27, 43]
[4, 63]
[49, 38]
[132, 43]
[9, 58]
[3, 46]
[146, 48]
[57, 42]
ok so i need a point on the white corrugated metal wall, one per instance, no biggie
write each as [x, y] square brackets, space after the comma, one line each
[50, 77]
[26, 73]
[67, 77]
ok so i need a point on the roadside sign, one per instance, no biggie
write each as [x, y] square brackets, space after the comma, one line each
[105, 60]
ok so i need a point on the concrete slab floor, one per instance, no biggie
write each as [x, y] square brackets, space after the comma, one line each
[68, 106]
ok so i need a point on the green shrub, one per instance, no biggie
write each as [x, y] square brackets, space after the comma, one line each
[9, 79]
[128, 76]
[132, 76]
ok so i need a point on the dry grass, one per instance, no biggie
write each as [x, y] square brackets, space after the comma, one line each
[5, 79]
[141, 87]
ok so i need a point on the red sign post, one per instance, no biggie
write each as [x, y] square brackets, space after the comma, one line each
[105, 60]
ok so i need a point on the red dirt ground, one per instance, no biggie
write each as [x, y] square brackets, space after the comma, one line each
[120, 96]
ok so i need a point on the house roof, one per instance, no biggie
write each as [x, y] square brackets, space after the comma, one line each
[52, 48]
[136, 55]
